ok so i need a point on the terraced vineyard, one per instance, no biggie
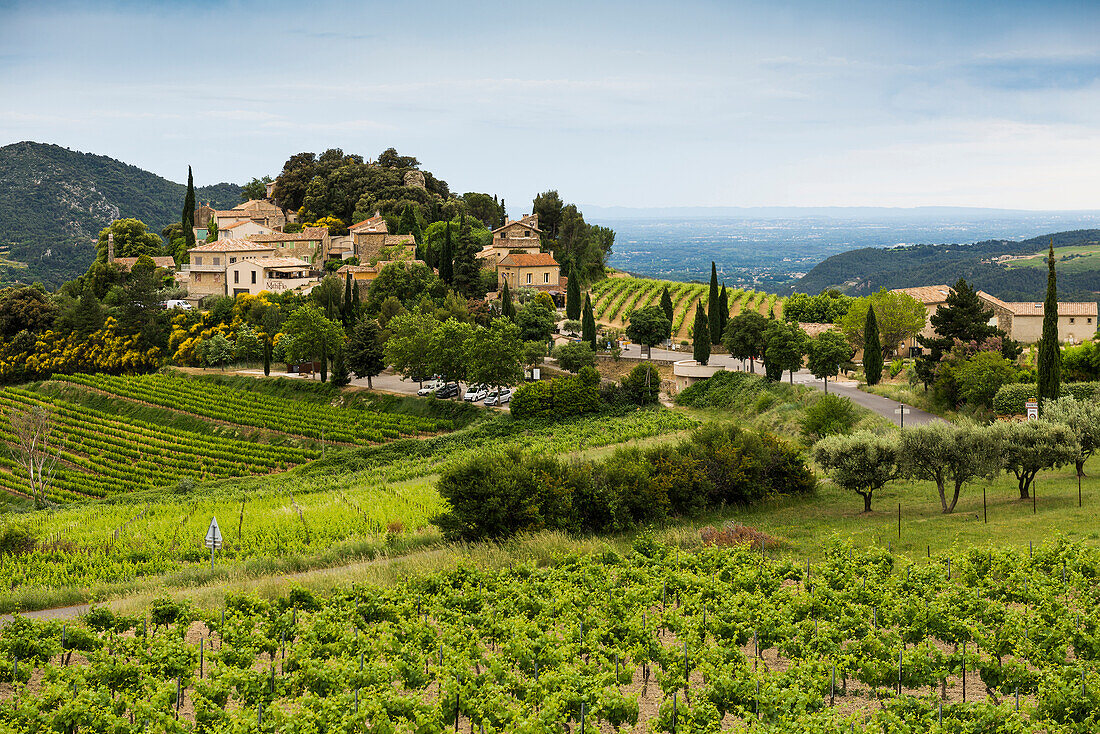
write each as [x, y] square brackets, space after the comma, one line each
[242, 407]
[101, 454]
[985, 640]
[613, 299]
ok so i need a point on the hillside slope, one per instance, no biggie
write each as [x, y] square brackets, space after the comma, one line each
[54, 202]
[863, 271]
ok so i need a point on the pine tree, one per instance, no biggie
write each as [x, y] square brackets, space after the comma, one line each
[712, 307]
[723, 312]
[446, 257]
[1050, 352]
[872, 349]
[700, 333]
[588, 324]
[507, 308]
[573, 295]
[188, 218]
[666, 304]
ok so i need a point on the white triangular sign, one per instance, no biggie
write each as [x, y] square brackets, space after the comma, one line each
[213, 534]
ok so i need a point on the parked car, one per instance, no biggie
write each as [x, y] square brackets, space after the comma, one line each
[178, 303]
[474, 393]
[429, 387]
[447, 391]
[499, 397]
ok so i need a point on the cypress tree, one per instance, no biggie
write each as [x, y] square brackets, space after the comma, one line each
[723, 312]
[573, 295]
[700, 334]
[356, 306]
[507, 308]
[872, 348]
[666, 304]
[712, 308]
[1050, 351]
[446, 257]
[324, 362]
[346, 306]
[188, 218]
[588, 324]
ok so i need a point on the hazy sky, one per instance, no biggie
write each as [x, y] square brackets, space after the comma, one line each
[634, 104]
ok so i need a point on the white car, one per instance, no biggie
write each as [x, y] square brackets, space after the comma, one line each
[429, 387]
[499, 397]
[178, 303]
[475, 393]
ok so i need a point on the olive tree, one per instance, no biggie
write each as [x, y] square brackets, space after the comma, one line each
[941, 452]
[861, 462]
[1083, 418]
[1029, 447]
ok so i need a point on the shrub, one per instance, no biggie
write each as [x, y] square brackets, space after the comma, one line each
[643, 385]
[896, 367]
[557, 398]
[574, 356]
[16, 540]
[1011, 399]
[829, 416]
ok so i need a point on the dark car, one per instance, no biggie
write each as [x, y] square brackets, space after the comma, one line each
[447, 391]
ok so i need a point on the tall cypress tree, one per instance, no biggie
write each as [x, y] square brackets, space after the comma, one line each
[446, 257]
[356, 306]
[588, 324]
[1050, 351]
[188, 219]
[573, 295]
[712, 308]
[723, 312]
[507, 308]
[872, 348]
[700, 333]
[666, 304]
[346, 306]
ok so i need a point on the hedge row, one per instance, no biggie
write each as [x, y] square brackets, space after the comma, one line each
[1012, 399]
[560, 397]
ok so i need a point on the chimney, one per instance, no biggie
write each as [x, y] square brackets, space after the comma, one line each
[110, 247]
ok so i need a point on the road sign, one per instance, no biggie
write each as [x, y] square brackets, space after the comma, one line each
[1032, 410]
[214, 535]
[902, 411]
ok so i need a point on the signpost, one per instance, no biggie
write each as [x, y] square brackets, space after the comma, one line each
[1032, 410]
[902, 410]
[213, 539]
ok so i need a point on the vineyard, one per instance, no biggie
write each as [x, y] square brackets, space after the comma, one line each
[301, 418]
[102, 455]
[318, 514]
[613, 300]
[723, 639]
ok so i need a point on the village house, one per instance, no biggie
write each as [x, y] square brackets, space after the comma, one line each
[371, 242]
[521, 236]
[368, 273]
[307, 245]
[275, 274]
[1024, 321]
[205, 274]
[243, 229]
[529, 270]
[933, 297]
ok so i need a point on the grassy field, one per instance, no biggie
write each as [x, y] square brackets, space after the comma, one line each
[1079, 259]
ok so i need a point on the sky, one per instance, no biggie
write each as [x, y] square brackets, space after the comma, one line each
[638, 104]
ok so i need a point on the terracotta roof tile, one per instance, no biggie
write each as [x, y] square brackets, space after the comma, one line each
[310, 234]
[927, 293]
[529, 261]
[231, 245]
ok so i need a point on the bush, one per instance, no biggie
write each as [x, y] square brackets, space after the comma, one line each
[574, 356]
[16, 540]
[829, 416]
[643, 385]
[896, 367]
[1011, 399]
[557, 398]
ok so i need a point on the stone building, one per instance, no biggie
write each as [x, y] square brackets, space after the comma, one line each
[1023, 321]
[205, 274]
[274, 274]
[523, 270]
[933, 297]
[520, 236]
[310, 244]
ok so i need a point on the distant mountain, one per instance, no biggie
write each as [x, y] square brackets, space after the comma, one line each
[54, 202]
[863, 271]
[958, 214]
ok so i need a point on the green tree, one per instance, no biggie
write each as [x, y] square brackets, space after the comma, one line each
[132, 239]
[548, 206]
[785, 344]
[187, 221]
[713, 301]
[666, 304]
[700, 334]
[217, 351]
[365, 352]
[211, 231]
[409, 348]
[941, 452]
[648, 326]
[1050, 350]
[409, 283]
[828, 307]
[495, 354]
[446, 257]
[507, 308]
[744, 337]
[249, 345]
[313, 336]
[898, 316]
[872, 349]
[643, 385]
[410, 225]
[255, 189]
[862, 462]
[588, 324]
[827, 352]
[449, 350]
[328, 294]
[140, 314]
[347, 306]
[723, 313]
[980, 377]
[574, 356]
[340, 376]
[1029, 447]
[573, 296]
[536, 321]
[1082, 417]
[28, 308]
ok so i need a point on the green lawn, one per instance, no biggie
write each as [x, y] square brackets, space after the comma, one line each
[1068, 259]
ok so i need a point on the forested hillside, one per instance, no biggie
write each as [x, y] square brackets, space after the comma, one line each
[54, 202]
[864, 271]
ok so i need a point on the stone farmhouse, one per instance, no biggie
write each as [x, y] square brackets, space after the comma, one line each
[205, 275]
[372, 242]
[275, 274]
[309, 244]
[521, 236]
[529, 270]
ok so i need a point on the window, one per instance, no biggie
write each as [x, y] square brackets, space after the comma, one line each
[198, 277]
[1071, 319]
[253, 277]
[232, 260]
[528, 278]
[1089, 320]
[236, 277]
[546, 277]
[526, 233]
[198, 260]
[217, 261]
[503, 235]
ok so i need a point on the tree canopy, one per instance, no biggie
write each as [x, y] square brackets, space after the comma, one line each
[648, 326]
[899, 317]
